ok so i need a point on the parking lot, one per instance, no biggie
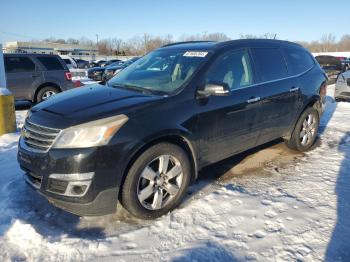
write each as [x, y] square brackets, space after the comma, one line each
[267, 204]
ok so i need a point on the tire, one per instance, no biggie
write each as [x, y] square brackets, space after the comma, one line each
[43, 93]
[305, 131]
[148, 164]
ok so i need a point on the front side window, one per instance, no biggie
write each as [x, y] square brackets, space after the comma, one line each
[162, 71]
[18, 64]
[232, 69]
[270, 63]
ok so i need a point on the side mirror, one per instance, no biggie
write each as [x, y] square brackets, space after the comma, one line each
[214, 90]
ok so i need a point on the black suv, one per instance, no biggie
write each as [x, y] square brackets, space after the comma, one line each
[142, 138]
[36, 77]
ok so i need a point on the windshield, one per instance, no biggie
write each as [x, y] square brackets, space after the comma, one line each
[163, 70]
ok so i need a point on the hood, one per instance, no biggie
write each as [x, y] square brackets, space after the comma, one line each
[88, 103]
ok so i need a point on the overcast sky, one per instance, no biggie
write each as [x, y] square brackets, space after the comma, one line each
[289, 19]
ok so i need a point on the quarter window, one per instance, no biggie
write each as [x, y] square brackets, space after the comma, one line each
[18, 64]
[270, 64]
[233, 69]
[298, 60]
[51, 63]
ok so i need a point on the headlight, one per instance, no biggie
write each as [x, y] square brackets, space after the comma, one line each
[95, 133]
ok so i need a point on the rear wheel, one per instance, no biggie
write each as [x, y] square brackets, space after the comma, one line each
[46, 92]
[157, 181]
[305, 131]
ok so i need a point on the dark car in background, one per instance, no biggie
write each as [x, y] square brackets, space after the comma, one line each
[95, 63]
[109, 62]
[81, 63]
[95, 73]
[143, 137]
[36, 77]
[332, 66]
[115, 68]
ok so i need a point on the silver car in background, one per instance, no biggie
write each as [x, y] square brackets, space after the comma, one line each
[342, 87]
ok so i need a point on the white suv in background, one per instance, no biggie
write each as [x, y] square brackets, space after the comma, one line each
[69, 61]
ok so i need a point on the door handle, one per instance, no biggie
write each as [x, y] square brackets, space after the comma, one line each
[294, 89]
[35, 75]
[253, 100]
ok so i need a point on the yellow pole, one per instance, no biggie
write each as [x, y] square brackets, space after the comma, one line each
[7, 104]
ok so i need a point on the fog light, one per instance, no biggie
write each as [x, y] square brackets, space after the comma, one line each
[75, 185]
[77, 189]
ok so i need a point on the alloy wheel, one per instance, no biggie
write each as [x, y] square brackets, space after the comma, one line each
[308, 130]
[48, 94]
[160, 182]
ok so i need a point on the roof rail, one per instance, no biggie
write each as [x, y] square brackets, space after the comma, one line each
[188, 42]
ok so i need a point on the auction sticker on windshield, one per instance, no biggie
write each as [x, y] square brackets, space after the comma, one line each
[195, 54]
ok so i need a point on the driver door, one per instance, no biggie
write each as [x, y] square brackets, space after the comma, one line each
[229, 124]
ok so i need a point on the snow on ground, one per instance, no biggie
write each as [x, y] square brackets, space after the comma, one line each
[289, 207]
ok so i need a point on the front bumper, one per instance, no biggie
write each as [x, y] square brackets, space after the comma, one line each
[100, 197]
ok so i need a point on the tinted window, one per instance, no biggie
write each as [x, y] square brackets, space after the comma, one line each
[233, 69]
[67, 61]
[51, 63]
[270, 63]
[18, 64]
[298, 60]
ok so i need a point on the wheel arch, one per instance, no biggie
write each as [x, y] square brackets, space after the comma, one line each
[315, 102]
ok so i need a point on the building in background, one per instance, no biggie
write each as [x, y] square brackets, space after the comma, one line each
[51, 48]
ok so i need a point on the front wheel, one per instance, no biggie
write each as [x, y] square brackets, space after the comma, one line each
[157, 181]
[305, 131]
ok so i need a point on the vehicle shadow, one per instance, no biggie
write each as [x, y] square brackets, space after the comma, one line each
[339, 246]
[210, 251]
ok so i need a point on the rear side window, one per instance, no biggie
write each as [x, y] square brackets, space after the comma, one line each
[19, 64]
[50, 63]
[67, 61]
[298, 61]
[270, 64]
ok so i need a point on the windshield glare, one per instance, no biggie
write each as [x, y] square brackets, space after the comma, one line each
[161, 70]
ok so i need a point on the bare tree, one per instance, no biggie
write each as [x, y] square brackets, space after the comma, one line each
[263, 36]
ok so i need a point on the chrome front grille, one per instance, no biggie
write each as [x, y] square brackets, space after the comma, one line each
[37, 137]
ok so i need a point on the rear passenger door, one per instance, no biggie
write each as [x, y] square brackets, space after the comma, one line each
[279, 93]
[20, 74]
